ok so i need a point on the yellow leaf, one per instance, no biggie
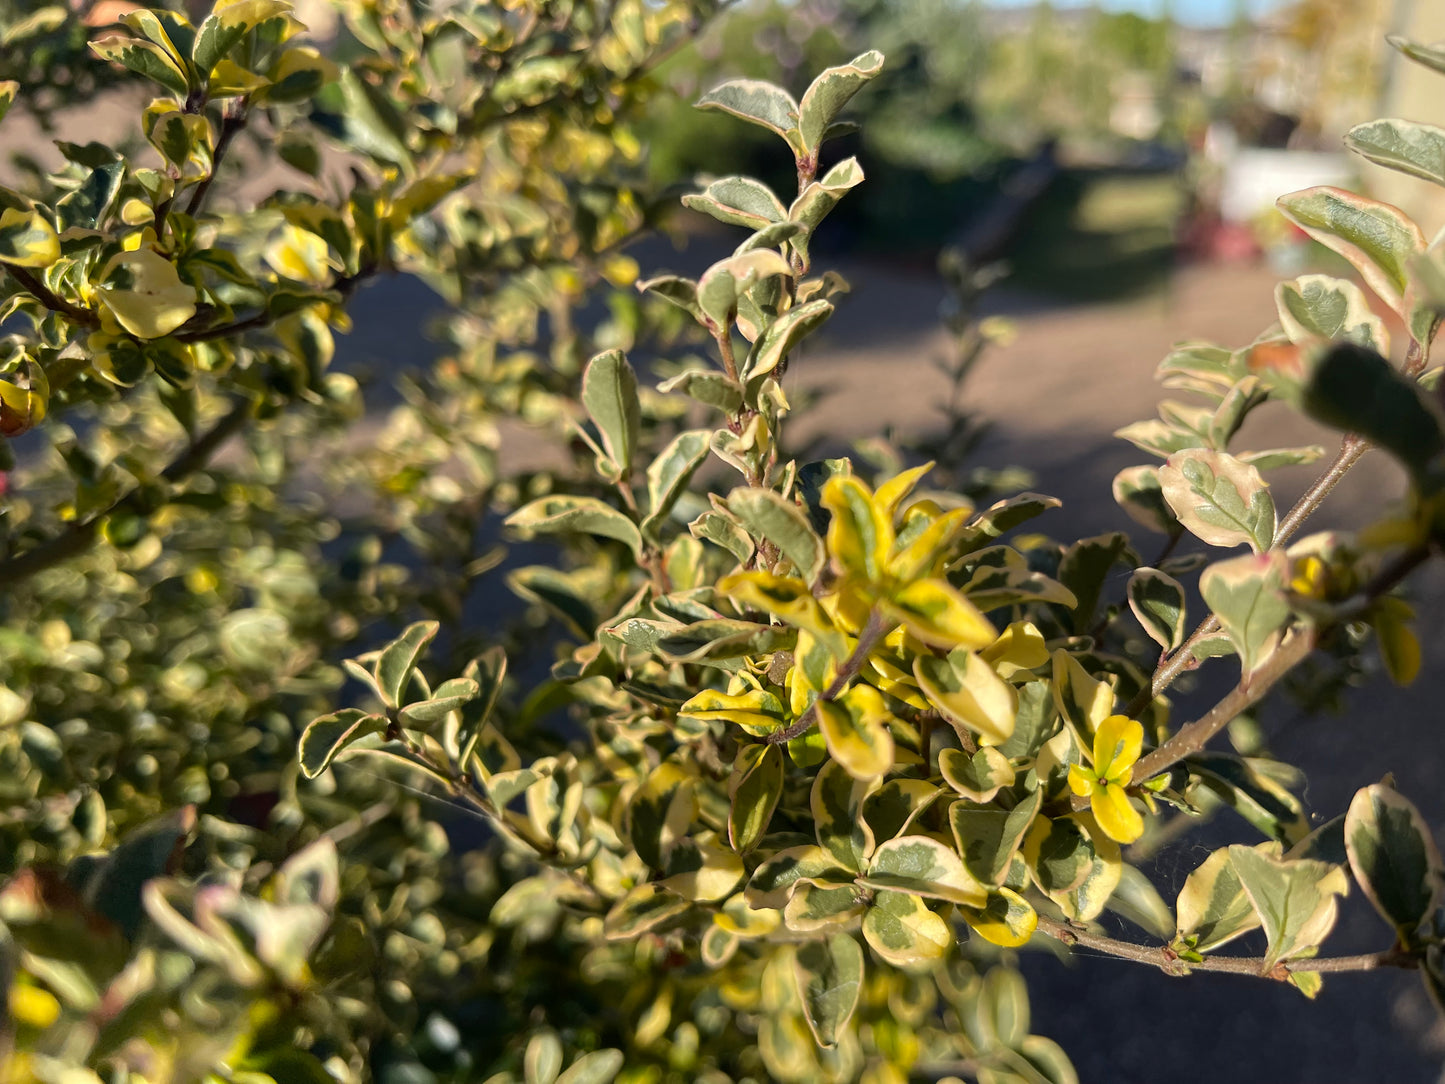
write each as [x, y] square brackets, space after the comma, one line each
[1019, 647]
[892, 492]
[299, 254]
[935, 612]
[1007, 919]
[1081, 780]
[1117, 818]
[1117, 743]
[969, 694]
[856, 730]
[787, 597]
[757, 711]
[860, 535]
[154, 302]
[27, 239]
[919, 556]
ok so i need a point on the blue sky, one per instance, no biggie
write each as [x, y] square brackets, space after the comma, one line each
[1198, 12]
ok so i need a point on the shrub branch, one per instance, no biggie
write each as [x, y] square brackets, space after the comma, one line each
[1171, 963]
[873, 632]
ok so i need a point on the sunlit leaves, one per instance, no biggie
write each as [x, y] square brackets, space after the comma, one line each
[856, 730]
[924, 867]
[1394, 858]
[1212, 908]
[969, 693]
[938, 614]
[903, 931]
[830, 92]
[588, 515]
[1295, 900]
[1377, 239]
[27, 239]
[754, 789]
[146, 295]
[769, 516]
[1221, 500]
[1247, 595]
[758, 102]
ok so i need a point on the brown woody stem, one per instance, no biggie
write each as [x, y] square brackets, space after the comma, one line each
[47, 297]
[1170, 962]
[874, 630]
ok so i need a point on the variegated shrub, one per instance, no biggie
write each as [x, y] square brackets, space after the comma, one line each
[845, 748]
[821, 748]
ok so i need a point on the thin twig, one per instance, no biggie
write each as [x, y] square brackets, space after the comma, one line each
[1192, 737]
[1169, 961]
[232, 121]
[47, 297]
[874, 630]
[78, 537]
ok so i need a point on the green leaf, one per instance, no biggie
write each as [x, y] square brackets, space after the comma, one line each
[587, 515]
[1158, 602]
[8, 89]
[836, 802]
[660, 813]
[1247, 594]
[223, 30]
[754, 788]
[488, 670]
[1005, 515]
[772, 517]
[398, 659]
[1004, 1003]
[1257, 789]
[783, 335]
[830, 979]
[542, 1060]
[1358, 391]
[903, 931]
[1059, 853]
[1394, 858]
[256, 639]
[1139, 901]
[1431, 56]
[598, 1067]
[88, 204]
[857, 734]
[710, 388]
[1402, 145]
[1295, 900]
[923, 867]
[371, 123]
[830, 92]
[609, 394]
[1212, 907]
[1047, 1058]
[682, 292]
[1377, 240]
[813, 908]
[759, 103]
[720, 638]
[1314, 307]
[773, 882]
[145, 59]
[724, 531]
[988, 838]
[1086, 566]
[328, 735]
[978, 777]
[669, 474]
[446, 698]
[738, 201]
[1221, 500]
[820, 197]
[27, 238]
[643, 908]
[726, 281]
